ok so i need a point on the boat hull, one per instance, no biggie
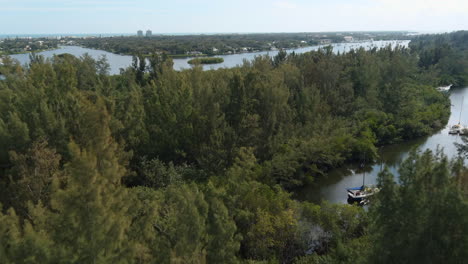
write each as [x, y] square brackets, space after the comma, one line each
[352, 200]
[360, 195]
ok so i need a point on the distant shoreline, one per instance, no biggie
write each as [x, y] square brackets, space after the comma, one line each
[80, 35]
[26, 52]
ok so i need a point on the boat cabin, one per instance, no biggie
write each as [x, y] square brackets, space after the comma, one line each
[360, 194]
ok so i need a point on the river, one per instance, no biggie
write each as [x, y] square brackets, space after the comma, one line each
[123, 61]
[333, 188]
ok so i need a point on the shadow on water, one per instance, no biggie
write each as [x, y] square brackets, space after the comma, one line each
[333, 187]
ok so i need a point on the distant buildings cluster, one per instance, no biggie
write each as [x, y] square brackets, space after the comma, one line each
[149, 33]
[348, 38]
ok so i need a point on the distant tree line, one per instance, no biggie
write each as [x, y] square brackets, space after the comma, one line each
[175, 45]
[209, 60]
[20, 45]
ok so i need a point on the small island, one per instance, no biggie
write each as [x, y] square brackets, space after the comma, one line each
[208, 60]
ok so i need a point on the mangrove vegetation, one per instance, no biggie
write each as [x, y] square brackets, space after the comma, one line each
[208, 60]
[162, 166]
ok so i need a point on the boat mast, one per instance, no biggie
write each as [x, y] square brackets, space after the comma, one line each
[363, 178]
[364, 175]
[461, 109]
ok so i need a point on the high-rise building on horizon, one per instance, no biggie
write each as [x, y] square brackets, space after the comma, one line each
[140, 33]
[149, 33]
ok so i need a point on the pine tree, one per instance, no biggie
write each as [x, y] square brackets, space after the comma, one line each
[424, 219]
[88, 220]
[32, 175]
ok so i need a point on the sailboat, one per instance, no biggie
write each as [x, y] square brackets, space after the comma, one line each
[361, 194]
[458, 128]
[444, 88]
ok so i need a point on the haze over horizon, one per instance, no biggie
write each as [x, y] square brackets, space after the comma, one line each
[184, 16]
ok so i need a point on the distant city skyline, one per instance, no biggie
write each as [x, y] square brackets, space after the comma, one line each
[222, 16]
[143, 33]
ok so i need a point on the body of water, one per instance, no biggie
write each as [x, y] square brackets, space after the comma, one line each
[116, 61]
[333, 188]
[237, 59]
[123, 61]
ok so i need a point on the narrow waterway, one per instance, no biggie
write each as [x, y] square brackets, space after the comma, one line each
[333, 188]
[118, 62]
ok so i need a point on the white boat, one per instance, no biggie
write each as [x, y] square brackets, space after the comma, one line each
[455, 129]
[458, 129]
[444, 88]
[360, 194]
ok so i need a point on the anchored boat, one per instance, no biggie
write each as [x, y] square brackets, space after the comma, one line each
[444, 88]
[458, 128]
[361, 194]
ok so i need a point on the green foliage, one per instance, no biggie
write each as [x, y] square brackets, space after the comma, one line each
[159, 166]
[87, 220]
[446, 55]
[98, 223]
[208, 60]
[156, 174]
[339, 231]
[17, 45]
[213, 44]
[31, 177]
[182, 224]
[424, 218]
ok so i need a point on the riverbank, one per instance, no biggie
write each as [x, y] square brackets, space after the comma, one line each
[2, 53]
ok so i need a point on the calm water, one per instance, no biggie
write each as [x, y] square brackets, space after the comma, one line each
[333, 188]
[121, 61]
[237, 59]
[116, 61]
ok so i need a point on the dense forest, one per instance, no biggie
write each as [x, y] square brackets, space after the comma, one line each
[162, 166]
[196, 45]
[445, 56]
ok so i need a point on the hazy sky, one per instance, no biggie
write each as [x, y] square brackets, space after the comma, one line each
[184, 16]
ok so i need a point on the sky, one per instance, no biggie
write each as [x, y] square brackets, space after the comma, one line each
[224, 16]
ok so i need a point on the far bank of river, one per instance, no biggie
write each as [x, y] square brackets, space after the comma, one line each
[123, 61]
[333, 188]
